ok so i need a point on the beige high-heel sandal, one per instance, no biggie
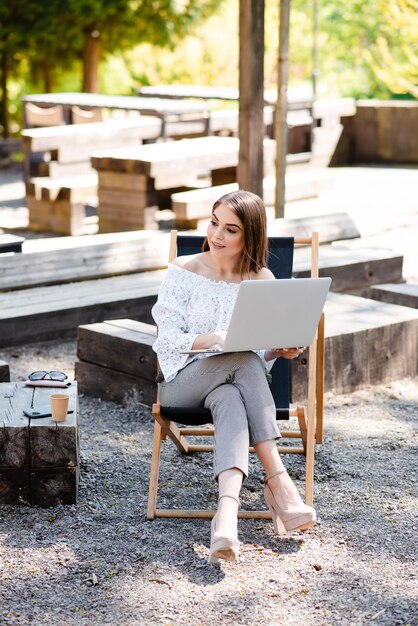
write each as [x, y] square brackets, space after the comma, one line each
[300, 517]
[222, 547]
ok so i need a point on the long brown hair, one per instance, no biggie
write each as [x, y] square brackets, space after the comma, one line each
[250, 209]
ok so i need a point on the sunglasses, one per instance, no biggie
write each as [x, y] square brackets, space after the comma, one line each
[53, 375]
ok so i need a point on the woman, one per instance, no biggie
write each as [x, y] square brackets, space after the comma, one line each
[192, 312]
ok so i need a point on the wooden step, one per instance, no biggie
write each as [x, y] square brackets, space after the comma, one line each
[64, 259]
[197, 203]
[116, 361]
[366, 343]
[405, 294]
[351, 268]
[52, 312]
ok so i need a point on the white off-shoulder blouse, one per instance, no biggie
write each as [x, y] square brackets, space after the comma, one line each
[189, 305]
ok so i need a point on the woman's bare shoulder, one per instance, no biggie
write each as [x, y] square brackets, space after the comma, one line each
[263, 274]
[190, 262]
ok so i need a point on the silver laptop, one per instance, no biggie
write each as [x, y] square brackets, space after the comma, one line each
[281, 313]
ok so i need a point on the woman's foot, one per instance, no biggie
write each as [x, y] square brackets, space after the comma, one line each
[224, 542]
[287, 509]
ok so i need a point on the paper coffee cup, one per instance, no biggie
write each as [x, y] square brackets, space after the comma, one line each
[59, 406]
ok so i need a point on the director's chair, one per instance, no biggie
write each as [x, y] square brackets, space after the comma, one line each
[170, 421]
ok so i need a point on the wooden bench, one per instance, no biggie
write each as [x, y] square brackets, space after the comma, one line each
[58, 151]
[11, 243]
[43, 313]
[191, 206]
[39, 459]
[405, 294]
[133, 179]
[57, 260]
[366, 343]
[59, 205]
[40, 313]
[116, 361]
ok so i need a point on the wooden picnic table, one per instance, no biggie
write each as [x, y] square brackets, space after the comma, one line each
[159, 107]
[296, 98]
[131, 180]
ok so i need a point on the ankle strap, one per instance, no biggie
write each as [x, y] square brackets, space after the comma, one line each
[229, 495]
[275, 473]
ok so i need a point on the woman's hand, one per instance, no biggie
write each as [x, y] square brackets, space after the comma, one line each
[285, 353]
[209, 340]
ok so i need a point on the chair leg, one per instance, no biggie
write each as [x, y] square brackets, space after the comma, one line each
[320, 374]
[310, 450]
[301, 415]
[311, 418]
[155, 469]
[170, 429]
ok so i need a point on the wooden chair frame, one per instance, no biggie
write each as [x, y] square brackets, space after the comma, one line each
[310, 419]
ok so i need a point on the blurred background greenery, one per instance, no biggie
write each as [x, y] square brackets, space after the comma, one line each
[366, 49]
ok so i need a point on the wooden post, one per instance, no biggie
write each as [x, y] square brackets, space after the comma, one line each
[251, 95]
[280, 123]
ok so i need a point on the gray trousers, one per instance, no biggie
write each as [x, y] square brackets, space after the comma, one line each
[235, 388]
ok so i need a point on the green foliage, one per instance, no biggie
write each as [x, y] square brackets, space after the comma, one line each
[44, 41]
[368, 49]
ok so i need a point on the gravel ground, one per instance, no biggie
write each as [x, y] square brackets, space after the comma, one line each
[102, 562]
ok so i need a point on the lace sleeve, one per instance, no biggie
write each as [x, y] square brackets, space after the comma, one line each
[170, 315]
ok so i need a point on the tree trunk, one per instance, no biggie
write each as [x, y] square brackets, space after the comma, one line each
[280, 122]
[91, 59]
[251, 95]
[47, 76]
[4, 114]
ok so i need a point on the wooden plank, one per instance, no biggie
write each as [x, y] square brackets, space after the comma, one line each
[117, 347]
[115, 130]
[55, 185]
[86, 257]
[125, 198]
[53, 169]
[405, 294]
[366, 343]
[121, 180]
[109, 384]
[331, 227]
[170, 158]
[351, 268]
[14, 426]
[197, 204]
[60, 297]
[51, 312]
